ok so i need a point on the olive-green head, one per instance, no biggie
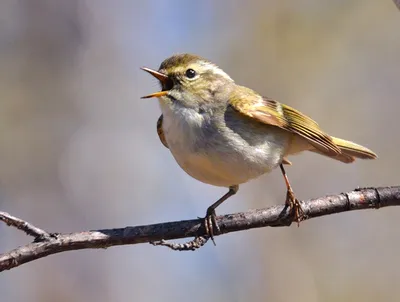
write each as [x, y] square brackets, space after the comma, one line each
[191, 81]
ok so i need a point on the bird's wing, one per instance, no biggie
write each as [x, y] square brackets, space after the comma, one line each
[160, 131]
[273, 113]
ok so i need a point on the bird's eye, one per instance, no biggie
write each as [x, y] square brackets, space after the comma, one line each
[190, 73]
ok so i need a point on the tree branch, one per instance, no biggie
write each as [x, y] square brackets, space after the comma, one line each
[24, 226]
[47, 244]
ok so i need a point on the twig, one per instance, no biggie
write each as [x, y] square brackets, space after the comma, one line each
[22, 225]
[365, 198]
[191, 245]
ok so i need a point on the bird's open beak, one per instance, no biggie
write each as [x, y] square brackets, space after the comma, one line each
[159, 76]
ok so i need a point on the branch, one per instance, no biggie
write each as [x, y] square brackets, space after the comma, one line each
[47, 244]
[22, 225]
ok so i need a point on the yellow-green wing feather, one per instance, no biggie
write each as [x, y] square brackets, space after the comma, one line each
[271, 112]
[160, 131]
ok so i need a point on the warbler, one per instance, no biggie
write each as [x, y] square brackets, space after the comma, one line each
[224, 134]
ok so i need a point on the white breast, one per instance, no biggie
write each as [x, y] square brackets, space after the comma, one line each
[218, 156]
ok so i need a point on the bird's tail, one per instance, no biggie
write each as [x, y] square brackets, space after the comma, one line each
[350, 151]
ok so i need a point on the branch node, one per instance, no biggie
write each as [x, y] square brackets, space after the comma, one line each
[378, 199]
[46, 237]
[348, 203]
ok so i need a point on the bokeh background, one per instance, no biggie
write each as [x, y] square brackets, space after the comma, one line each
[79, 149]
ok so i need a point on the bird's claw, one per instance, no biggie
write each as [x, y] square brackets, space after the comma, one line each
[295, 207]
[210, 222]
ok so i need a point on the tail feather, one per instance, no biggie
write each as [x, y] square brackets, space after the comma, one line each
[350, 151]
[354, 149]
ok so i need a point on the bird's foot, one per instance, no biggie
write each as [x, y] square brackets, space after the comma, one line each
[210, 222]
[295, 207]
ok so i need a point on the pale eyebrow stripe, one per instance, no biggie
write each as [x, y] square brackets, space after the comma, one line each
[215, 69]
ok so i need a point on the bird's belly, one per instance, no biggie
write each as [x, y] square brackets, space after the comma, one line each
[222, 170]
[222, 158]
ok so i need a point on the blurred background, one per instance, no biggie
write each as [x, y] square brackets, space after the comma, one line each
[79, 149]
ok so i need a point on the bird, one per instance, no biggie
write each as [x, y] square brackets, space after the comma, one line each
[224, 134]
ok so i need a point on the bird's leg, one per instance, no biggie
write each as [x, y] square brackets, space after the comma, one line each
[210, 220]
[291, 200]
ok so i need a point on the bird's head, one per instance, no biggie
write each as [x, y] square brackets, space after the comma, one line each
[191, 81]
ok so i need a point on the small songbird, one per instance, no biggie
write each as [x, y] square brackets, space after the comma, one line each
[224, 134]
